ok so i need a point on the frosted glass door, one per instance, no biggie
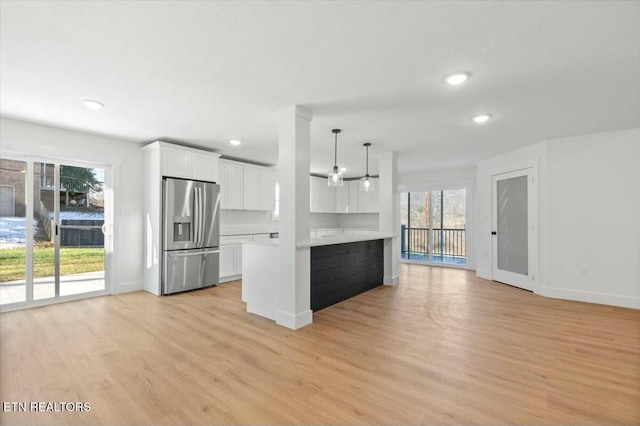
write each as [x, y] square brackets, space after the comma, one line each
[512, 225]
[512, 228]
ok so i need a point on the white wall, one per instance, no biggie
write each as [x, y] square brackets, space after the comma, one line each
[126, 159]
[433, 176]
[589, 216]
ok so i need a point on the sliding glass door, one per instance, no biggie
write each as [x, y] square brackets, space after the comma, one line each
[13, 235]
[433, 226]
[51, 232]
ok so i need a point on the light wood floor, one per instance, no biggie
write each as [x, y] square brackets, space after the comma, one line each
[441, 347]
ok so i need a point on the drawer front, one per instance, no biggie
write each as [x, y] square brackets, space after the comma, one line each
[234, 239]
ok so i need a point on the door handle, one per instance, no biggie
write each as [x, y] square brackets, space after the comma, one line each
[196, 214]
[197, 253]
[201, 215]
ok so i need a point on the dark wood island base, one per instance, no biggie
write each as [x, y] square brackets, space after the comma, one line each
[341, 271]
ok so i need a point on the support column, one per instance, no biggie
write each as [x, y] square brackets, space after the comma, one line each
[388, 203]
[294, 289]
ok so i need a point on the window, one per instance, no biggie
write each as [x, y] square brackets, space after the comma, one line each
[433, 226]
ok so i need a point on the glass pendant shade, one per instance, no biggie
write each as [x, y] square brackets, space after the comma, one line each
[366, 184]
[335, 178]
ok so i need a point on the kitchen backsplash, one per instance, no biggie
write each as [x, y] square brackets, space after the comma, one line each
[259, 221]
[358, 220]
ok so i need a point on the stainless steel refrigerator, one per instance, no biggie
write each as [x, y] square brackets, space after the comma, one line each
[191, 235]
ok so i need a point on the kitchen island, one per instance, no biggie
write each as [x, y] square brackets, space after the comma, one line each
[341, 266]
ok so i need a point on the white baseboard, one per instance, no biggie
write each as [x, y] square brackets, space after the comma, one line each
[229, 279]
[127, 287]
[483, 273]
[391, 280]
[292, 321]
[590, 296]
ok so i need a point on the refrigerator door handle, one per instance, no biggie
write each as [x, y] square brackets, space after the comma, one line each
[196, 214]
[198, 253]
[201, 216]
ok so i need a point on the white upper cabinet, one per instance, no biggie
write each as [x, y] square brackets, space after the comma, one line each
[246, 187]
[204, 166]
[259, 188]
[267, 189]
[367, 201]
[252, 187]
[322, 197]
[176, 162]
[328, 197]
[188, 163]
[354, 190]
[342, 199]
[231, 185]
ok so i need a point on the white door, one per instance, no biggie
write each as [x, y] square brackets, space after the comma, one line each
[514, 230]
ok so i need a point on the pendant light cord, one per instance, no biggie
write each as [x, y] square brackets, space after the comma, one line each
[367, 161]
[335, 152]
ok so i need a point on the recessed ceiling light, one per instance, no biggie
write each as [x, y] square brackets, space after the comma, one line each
[93, 105]
[482, 118]
[235, 142]
[457, 78]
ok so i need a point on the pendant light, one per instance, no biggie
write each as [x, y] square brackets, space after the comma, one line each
[366, 182]
[335, 176]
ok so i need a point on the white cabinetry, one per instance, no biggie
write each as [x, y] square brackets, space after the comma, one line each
[267, 189]
[231, 255]
[204, 166]
[354, 190]
[170, 160]
[188, 163]
[322, 197]
[176, 162]
[228, 260]
[350, 199]
[246, 187]
[342, 199]
[231, 185]
[251, 194]
[367, 201]
[259, 188]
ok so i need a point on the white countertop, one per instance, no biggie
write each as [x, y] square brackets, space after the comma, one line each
[328, 240]
[227, 230]
[239, 230]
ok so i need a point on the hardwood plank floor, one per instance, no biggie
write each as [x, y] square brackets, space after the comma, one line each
[442, 347]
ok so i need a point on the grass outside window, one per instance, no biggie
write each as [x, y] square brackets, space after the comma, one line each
[73, 260]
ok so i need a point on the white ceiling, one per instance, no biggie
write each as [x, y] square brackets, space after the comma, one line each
[207, 72]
